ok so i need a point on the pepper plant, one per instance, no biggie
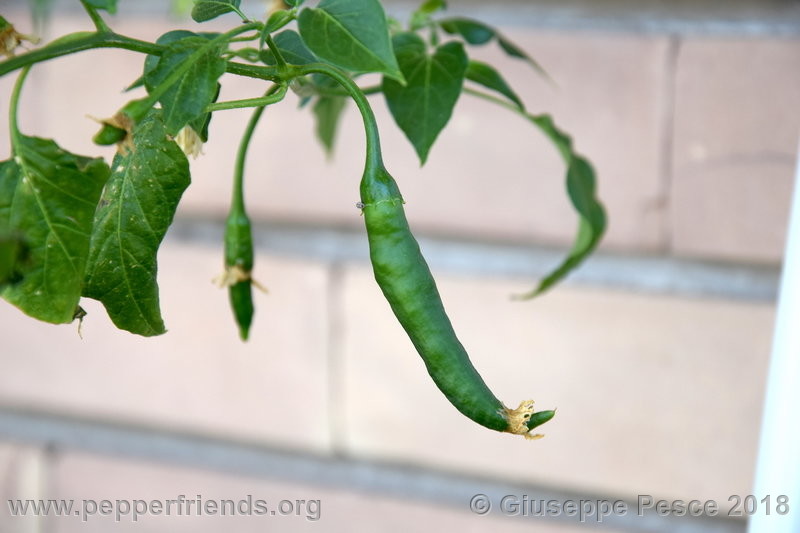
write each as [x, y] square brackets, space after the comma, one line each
[73, 226]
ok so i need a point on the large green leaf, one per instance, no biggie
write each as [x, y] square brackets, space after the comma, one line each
[135, 211]
[477, 33]
[327, 110]
[204, 10]
[48, 197]
[351, 34]
[581, 187]
[108, 5]
[486, 75]
[195, 65]
[424, 105]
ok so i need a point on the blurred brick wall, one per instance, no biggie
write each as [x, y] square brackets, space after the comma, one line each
[694, 141]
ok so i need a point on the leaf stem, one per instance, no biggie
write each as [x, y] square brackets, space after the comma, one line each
[562, 143]
[274, 95]
[98, 21]
[13, 107]
[239, 12]
[279, 60]
[374, 159]
[495, 100]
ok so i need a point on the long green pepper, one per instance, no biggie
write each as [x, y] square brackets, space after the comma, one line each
[407, 283]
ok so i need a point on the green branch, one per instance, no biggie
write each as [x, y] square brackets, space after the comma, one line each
[237, 199]
[374, 160]
[273, 96]
[98, 21]
[276, 52]
[82, 41]
[78, 42]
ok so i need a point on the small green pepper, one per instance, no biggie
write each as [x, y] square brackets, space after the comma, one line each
[116, 129]
[109, 134]
[239, 240]
[238, 265]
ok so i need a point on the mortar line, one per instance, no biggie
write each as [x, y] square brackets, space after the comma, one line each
[405, 482]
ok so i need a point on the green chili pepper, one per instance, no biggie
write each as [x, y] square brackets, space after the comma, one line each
[239, 236]
[407, 283]
[109, 134]
[116, 129]
[238, 265]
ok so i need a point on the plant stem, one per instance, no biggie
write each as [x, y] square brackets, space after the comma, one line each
[239, 12]
[98, 21]
[335, 91]
[279, 60]
[254, 71]
[78, 42]
[373, 159]
[237, 198]
[273, 96]
[13, 106]
[543, 122]
[495, 100]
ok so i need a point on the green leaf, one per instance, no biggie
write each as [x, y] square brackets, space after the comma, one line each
[328, 110]
[198, 61]
[204, 10]
[422, 16]
[477, 33]
[486, 75]
[351, 34]
[13, 254]
[291, 47]
[473, 31]
[202, 123]
[108, 5]
[151, 61]
[277, 20]
[135, 211]
[513, 50]
[581, 187]
[48, 196]
[424, 105]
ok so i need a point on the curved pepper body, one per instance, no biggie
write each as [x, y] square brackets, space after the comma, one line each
[407, 283]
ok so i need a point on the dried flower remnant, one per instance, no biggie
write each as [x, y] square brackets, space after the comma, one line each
[10, 38]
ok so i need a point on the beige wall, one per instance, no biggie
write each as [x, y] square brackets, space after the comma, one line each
[693, 138]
